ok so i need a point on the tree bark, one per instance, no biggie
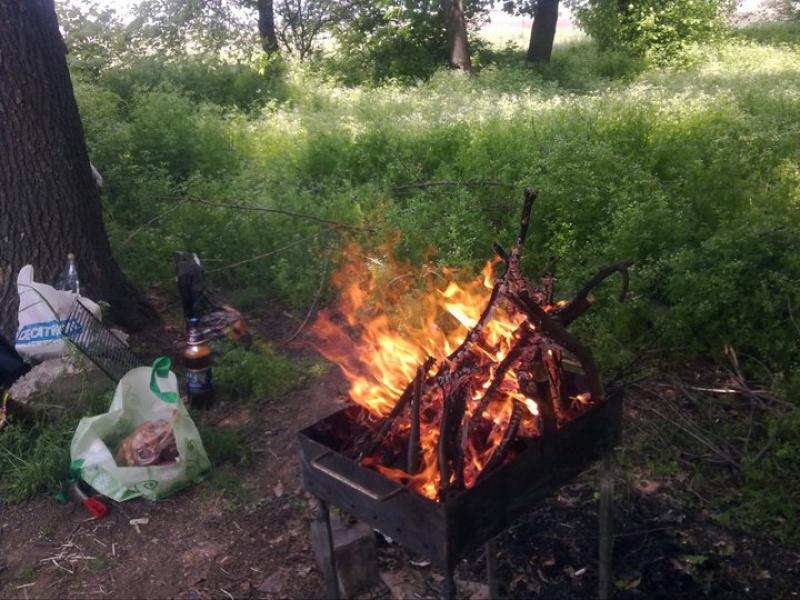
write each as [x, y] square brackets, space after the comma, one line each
[543, 31]
[456, 26]
[49, 204]
[266, 27]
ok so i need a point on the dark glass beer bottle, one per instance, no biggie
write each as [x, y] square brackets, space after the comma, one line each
[197, 359]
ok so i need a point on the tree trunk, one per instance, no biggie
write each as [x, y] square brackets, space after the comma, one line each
[49, 204]
[543, 31]
[456, 26]
[266, 26]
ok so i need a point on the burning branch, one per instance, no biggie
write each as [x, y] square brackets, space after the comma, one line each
[412, 461]
[499, 454]
[453, 407]
[556, 331]
[405, 397]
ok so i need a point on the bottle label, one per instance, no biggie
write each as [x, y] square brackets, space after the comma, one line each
[199, 380]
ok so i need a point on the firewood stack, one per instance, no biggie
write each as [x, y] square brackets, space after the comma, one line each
[462, 417]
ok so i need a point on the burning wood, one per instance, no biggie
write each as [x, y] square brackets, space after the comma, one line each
[459, 380]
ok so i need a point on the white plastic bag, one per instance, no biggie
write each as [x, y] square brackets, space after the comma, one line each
[43, 312]
[142, 395]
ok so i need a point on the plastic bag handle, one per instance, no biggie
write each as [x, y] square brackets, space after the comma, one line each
[161, 367]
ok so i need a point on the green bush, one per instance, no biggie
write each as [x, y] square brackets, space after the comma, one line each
[195, 141]
[225, 84]
[662, 29]
[690, 173]
[770, 33]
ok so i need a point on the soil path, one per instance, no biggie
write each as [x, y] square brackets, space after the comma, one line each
[205, 542]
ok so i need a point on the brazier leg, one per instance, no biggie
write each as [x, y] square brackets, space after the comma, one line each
[606, 514]
[449, 585]
[491, 570]
[331, 579]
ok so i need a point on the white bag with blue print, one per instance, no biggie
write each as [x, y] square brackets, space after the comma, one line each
[43, 317]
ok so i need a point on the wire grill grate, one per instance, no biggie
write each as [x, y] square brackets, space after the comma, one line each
[99, 343]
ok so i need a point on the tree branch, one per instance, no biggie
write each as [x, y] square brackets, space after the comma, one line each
[583, 300]
[279, 211]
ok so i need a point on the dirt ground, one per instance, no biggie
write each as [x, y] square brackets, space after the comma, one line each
[252, 540]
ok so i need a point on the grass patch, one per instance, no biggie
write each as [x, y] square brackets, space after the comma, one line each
[757, 490]
[228, 484]
[27, 574]
[225, 445]
[34, 455]
[34, 458]
[98, 564]
[259, 373]
[770, 34]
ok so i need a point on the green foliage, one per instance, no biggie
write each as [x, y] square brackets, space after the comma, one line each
[771, 492]
[770, 33]
[197, 140]
[692, 174]
[240, 85]
[661, 29]
[34, 455]
[225, 445]
[396, 40]
[34, 458]
[181, 28]
[94, 36]
[257, 374]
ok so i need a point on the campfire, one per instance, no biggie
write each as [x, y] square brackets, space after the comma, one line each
[456, 382]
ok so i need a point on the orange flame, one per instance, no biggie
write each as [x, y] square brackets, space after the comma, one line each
[389, 318]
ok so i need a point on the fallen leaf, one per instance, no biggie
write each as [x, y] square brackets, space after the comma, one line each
[628, 583]
[647, 487]
[278, 489]
[272, 584]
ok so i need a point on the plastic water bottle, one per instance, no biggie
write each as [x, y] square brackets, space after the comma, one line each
[68, 280]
